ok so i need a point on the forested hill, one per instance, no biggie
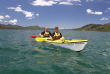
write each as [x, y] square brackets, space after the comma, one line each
[94, 27]
[9, 26]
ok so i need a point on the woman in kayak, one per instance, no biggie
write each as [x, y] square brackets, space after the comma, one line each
[45, 33]
[56, 35]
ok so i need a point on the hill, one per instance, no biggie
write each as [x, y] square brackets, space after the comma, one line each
[9, 26]
[94, 27]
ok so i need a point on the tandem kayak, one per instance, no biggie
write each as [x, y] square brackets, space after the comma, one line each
[73, 44]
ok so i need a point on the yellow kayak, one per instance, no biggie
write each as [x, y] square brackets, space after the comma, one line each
[66, 41]
[73, 44]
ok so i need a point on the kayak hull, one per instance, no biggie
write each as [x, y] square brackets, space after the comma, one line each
[75, 46]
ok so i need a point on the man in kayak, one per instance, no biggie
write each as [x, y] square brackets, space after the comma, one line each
[45, 33]
[56, 35]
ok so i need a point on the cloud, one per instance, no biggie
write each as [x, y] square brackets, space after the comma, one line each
[19, 5]
[13, 21]
[75, 0]
[89, 11]
[57, 0]
[28, 14]
[53, 2]
[0, 20]
[103, 18]
[5, 21]
[107, 10]
[71, 2]
[7, 16]
[37, 14]
[89, 0]
[96, 1]
[1, 17]
[66, 3]
[43, 3]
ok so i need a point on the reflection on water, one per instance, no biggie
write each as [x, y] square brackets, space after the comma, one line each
[48, 53]
[38, 49]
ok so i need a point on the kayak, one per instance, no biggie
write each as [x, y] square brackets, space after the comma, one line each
[73, 44]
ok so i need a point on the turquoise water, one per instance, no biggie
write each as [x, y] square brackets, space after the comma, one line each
[20, 54]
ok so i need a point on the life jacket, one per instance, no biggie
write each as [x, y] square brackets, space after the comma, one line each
[46, 34]
[57, 35]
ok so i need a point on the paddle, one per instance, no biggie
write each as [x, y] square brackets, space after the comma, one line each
[33, 36]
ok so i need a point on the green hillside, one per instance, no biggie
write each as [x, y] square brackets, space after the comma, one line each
[94, 27]
[9, 26]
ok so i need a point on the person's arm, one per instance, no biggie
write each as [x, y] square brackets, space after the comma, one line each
[52, 35]
[61, 34]
[41, 34]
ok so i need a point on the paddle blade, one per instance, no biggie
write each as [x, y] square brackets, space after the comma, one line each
[33, 36]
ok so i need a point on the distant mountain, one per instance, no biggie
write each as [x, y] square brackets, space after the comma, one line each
[33, 27]
[94, 27]
[9, 26]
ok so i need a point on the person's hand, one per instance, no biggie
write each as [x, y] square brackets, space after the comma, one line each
[62, 38]
[42, 36]
[51, 39]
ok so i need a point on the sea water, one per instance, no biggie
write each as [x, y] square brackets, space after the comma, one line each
[20, 54]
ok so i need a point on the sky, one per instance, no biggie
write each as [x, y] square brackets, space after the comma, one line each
[63, 13]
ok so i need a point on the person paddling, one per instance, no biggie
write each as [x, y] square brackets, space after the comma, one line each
[56, 35]
[45, 33]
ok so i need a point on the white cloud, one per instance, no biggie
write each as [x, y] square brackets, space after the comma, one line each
[89, 11]
[75, 0]
[43, 2]
[7, 16]
[52, 2]
[1, 17]
[13, 21]
[89, 0]
[66, 3]
[19, 5]
[107, 10]
[0, 20]
[56, 0]
[37, 14]
[103, 18]
[19, 9]
[5, 21]
[28, 14]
